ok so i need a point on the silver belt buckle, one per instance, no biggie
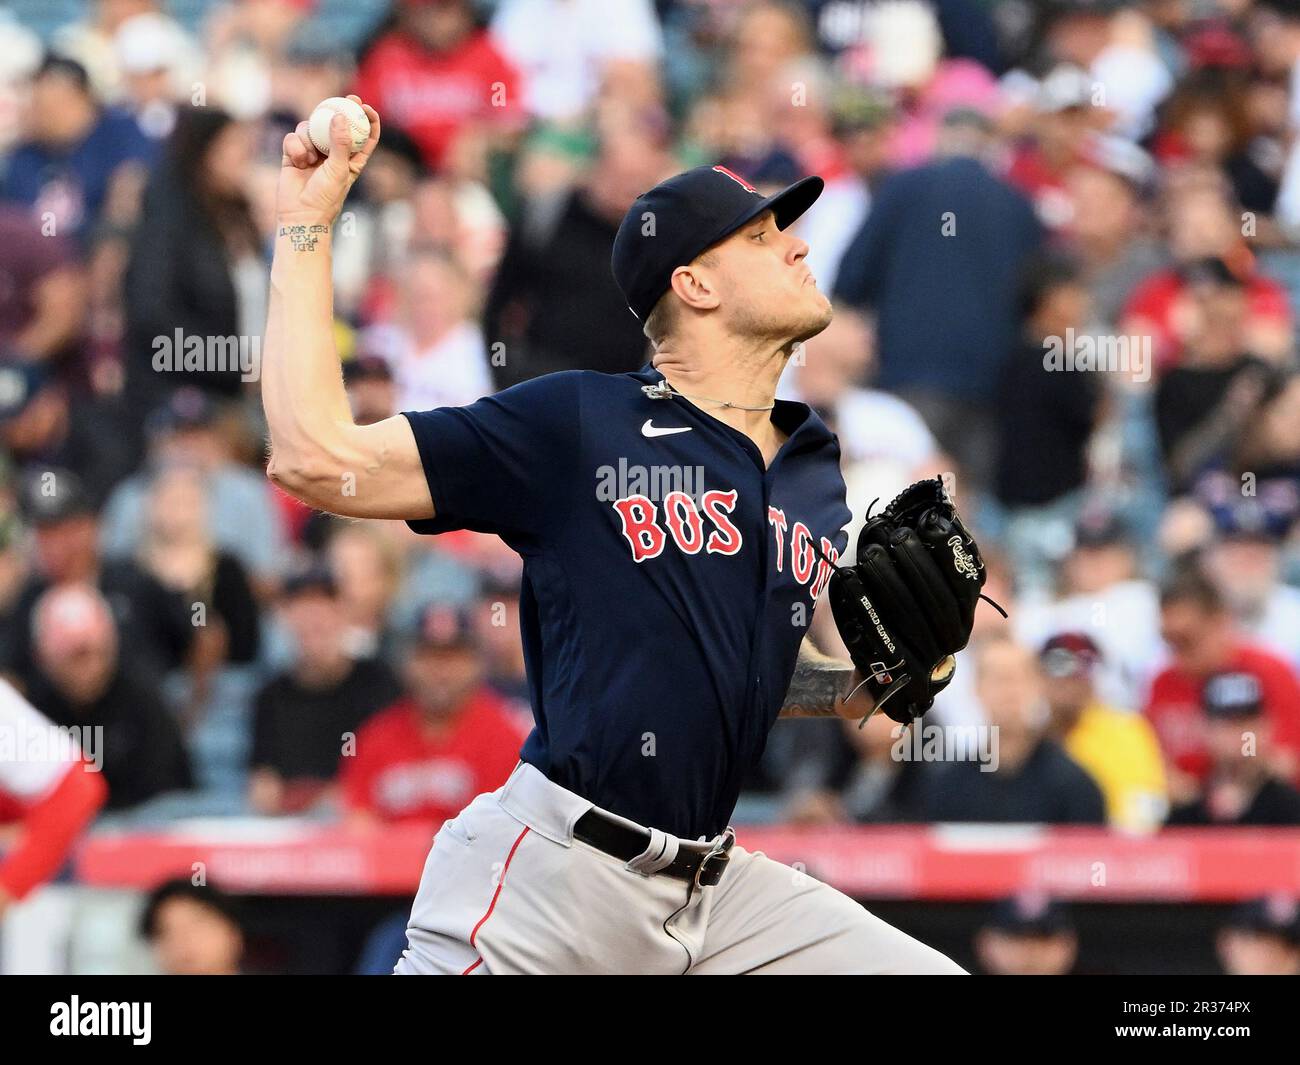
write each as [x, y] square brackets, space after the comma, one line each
[719, 850]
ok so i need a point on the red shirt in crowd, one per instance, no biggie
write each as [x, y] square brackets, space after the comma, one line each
[402, 772]
[1155, 302]
[432, 96]
[1174, 707]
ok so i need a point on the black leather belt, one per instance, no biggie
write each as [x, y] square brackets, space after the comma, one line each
[703, 868]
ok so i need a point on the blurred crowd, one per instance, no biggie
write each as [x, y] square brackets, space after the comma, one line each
[1063, 239]
[199, 930]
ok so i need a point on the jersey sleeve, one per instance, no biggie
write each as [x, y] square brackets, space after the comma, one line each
[504, 464]
[28, 778]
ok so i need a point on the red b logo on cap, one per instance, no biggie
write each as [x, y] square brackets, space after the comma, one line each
[736, 178]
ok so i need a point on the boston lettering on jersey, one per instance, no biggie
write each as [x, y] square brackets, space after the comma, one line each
[683, 525]
[668, 577]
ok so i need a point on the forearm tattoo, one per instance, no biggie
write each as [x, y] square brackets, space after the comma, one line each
[819, 683]
[303, 237]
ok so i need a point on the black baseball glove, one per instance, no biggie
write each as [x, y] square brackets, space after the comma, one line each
[906, 606]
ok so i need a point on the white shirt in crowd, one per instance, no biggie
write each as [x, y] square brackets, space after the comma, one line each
[562, 46]
[452, 372]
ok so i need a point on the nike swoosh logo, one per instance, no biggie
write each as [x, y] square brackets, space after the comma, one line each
[652, 430]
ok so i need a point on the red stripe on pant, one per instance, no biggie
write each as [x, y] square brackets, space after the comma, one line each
[493, 904]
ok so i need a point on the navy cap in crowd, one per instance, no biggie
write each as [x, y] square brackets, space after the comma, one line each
[186, 408]
[315, 578]
[671, 224]
[1030, 914]
[1277, 915]
[1233, 694]
[52, 496]
[1254, 518]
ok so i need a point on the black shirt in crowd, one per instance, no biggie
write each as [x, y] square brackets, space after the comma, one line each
[1276, 803]
[560, 317]
[298, 731]
[154, 626]
[1191, 400]
[142, 749]
[1045, 420]
[1049, 788]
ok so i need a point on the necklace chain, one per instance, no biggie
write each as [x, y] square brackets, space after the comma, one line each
[663, 390]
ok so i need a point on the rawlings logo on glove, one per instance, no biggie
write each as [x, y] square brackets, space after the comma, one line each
[907, 604]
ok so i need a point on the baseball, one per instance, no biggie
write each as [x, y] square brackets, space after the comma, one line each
[318, 126]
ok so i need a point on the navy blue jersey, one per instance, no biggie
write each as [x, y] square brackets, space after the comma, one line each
[669, 578]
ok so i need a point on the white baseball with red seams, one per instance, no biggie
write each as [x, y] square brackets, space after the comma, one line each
[318, 126]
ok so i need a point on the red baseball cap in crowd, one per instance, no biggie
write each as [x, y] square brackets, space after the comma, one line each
[1069, 654]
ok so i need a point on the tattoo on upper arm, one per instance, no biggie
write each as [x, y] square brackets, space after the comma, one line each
[303, 237]
[819, 683]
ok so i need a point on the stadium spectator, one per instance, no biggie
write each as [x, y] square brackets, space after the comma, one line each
[882, 786]
[195, 287]
[1118, 748]
[1066, 116]
[304, 716]
[905, 45]
[177, 550]
[75, 153]
[44, 425]
[109, 40]
[241, 509]
[1245, 561]
[66, 534]
[569, 52]
[496, 632]
[383, 224]
[1031, 778]
[158, 67]
[434, 345]
[193, 929]
[861, 123]
[438, 75]
[1109, 229]
[1204, 224]
[1261, 938]
[1270, 448]
[81, 679]
[1203, 640]
[576, 318]
[42, 290]
[1027, 935]
[1204, 404]
[448, 739]
[1207, 123]
[51, 798]
[901, 265]
[372, 391]
[968, 30]
[1104, 594]
[367, 571]
[1239, 787]
[1048, 412]
[884, 442]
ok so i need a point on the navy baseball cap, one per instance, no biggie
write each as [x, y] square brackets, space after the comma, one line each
[671, 224]
[1232, 695]
[1030, 914]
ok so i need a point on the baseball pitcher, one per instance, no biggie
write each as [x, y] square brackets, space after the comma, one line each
[677, 526]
